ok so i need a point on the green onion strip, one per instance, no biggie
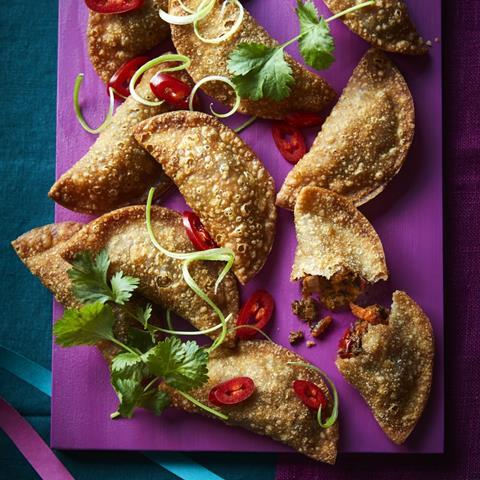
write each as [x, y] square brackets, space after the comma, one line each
[245, 125]
[350, 10]
[202, 11]
[214, 254]
[169, 57]
[333, 417]
[224, 36]
[78, 110]
[216, 78]
[203, 406]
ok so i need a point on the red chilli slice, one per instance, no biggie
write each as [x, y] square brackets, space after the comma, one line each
[289, 141]
[120, 80]
[171, 90]
[304, 119]
[311, 395]
[113, 6]
[232, 391]
[257, 312]
[197, 233]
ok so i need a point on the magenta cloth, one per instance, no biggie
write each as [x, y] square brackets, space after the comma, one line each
[461, 461]
[32, 446]
[408, 217]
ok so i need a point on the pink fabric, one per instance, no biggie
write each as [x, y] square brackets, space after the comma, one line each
[29, 442]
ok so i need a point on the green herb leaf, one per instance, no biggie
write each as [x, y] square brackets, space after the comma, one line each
[260, 71]
[316, 42]
[129, 391]
[126, 364]
[89, 280]
[140, 339]
[157, 401]
[85, 326]
[181, 365]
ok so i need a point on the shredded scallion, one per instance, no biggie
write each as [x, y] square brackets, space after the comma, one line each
[203, 406]
[245, 125]
[216, 78]
[202, 11]
[78, 110]
[168, 57]
[333, 417]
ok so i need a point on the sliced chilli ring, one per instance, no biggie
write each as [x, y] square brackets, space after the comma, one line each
[232, 392]
[310, 394]
[197, 233]
[259, 308]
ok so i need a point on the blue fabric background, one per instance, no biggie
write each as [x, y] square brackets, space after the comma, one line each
[28, 41]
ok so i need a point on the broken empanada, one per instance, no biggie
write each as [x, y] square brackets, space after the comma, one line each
[115, 38]
[389, 360]
[39, 250]
[116, 171]
[338, 251]
[385, 25]
[221, 179]
[274, 409]
[308, 93]
[124, 236]
[364, 141]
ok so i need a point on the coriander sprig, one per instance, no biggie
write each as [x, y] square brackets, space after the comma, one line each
[261, 71]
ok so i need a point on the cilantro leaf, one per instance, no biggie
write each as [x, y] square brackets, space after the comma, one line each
[85, 326]
[181, 365]
[316, 42]
[156, 400]
[129, 391]
[260, 71]
[90, 284]
[127, 364]
[140, 339]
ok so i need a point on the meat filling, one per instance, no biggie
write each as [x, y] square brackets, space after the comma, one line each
[351, 343]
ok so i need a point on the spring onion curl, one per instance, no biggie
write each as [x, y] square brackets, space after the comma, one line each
[216, 78]
[333, 417]
[214, 254]
[224, 36]
[258, 330]
[245, 125]
[203, 406]
[168, 57]
[202, 11]
[185, 8]
[171, 330]
[350, 10]
[78, 111]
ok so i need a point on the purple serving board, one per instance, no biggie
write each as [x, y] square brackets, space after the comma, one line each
[408, 217]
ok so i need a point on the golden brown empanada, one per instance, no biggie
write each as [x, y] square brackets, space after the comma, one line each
[390, 361]
[115, 38]
[385, 25]
[39, 250]
[274, 409]
[309, 92]
[116, 171]
[221, 179]
[124, 236]
[338, 251]
[364, 141]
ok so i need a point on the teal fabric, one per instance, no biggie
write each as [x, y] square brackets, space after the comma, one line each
[28, 40]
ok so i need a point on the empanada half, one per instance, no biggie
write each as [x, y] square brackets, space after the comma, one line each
[309, 92]
[385, 25]
[116, 171]
[124, 236]
[365, 140]
[274, 409]
[338, 250]
[115, 38]
[221, 179]
[390, 363]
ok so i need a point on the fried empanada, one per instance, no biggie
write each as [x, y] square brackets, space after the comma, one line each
[39, 250]
[116, 171]
[115, 38]
[309, 91]
[221, 179]
[390, 363]
[338, 250]
[274, 409]
[124, 236]
[364, 141]
[385, 25]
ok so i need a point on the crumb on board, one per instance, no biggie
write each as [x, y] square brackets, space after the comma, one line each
[310, 344]
[321, 326]
[295, 337]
